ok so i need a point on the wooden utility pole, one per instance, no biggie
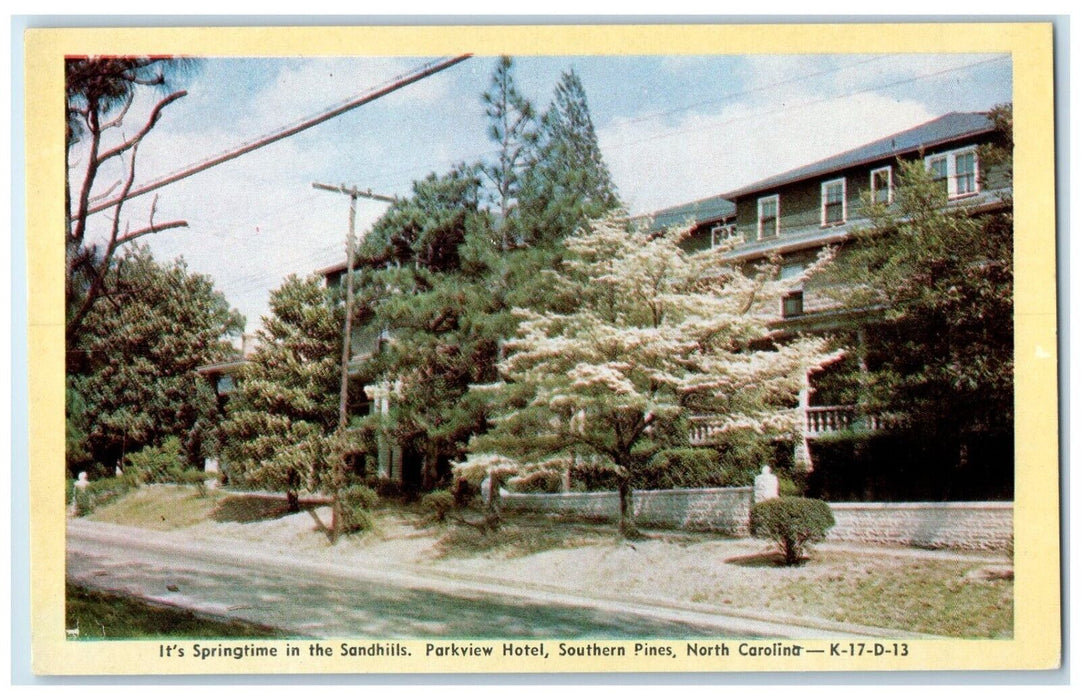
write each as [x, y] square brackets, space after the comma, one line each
[347, 336]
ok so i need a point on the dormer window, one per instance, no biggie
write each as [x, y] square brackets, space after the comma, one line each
[769, 211]
[882, 185]
[833, 202]
[957, 171]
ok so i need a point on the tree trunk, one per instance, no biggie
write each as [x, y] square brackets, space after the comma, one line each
[627, 528]
[293, 500]
[493, 516]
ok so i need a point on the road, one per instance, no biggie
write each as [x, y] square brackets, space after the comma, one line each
[326, 599]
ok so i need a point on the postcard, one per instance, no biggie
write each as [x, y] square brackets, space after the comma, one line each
[542, 349]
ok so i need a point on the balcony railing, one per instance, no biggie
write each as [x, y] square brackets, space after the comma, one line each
[821, 420]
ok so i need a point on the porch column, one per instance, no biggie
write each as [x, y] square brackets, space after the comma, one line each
[801, 455]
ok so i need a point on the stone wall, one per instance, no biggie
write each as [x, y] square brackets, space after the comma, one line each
[976, 525]
[724, 510]
[985, 526]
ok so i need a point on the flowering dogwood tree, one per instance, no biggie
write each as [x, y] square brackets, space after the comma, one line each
[659, 334]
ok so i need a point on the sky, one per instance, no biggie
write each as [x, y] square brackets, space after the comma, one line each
[672, 129]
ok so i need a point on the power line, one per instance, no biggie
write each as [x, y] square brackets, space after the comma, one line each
[408, 79]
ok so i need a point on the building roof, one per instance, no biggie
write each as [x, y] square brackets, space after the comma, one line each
[694, 213]
[945, 129]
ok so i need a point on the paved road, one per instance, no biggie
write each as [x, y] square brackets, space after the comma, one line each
[318, 600]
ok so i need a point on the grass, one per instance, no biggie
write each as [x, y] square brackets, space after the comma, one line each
[100, 616]
[160, 508]
[519, 536]
[936, 596]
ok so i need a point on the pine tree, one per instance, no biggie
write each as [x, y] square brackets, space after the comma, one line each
[569, 183]
[512, 125]
[279, 422]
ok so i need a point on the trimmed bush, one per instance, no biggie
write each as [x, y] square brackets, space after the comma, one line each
[437, 504]
[357, 502]
[792, 523]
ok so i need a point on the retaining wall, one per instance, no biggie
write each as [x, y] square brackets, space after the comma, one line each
[724, 510]
[976, 525]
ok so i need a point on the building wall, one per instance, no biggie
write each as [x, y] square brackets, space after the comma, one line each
[973, 526]
[801, 202]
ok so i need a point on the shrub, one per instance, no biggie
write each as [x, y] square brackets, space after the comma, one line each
[157, 464]
[99, 493]
[356, 503]
[437, 504]
[792, 523]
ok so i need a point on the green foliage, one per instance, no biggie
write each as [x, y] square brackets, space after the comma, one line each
[569, 184]
[733, 460]
[357, 502]
[539, 482]
[156, 464]
[281, 416]
[428, 228]
[940, 355]
[681, 467]
[100, 492]
[792, 523]
[512, 125]
[437, 505]
[76, 449]
[133, 368]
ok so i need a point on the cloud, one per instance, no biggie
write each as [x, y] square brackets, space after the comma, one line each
[708, 154]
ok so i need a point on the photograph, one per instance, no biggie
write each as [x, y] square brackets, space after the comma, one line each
[542, 349]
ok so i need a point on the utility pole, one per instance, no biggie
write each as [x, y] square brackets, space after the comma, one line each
[347, 333]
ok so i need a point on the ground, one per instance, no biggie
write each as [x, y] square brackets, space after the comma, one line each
[945, 593]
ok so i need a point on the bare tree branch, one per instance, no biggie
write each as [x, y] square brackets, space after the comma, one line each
[150, 122]
[153, 228]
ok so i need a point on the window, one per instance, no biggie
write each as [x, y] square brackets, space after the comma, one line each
[938, 169]
[833, 202]
[721, 233]
[966, 173]
[226, 384]
[882, 185]
[769, 216]
[792, 304]
[957, 171]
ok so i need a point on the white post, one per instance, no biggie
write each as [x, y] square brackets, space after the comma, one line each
[802, 453]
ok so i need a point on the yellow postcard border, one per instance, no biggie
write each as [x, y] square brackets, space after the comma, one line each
[1037, 635]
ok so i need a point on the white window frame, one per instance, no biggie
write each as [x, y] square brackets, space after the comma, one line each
[776, 198]
[720, 234]
[844, 201]
[888, 169]
[951, 170]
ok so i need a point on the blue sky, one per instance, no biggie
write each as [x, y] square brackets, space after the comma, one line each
[672, 129]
